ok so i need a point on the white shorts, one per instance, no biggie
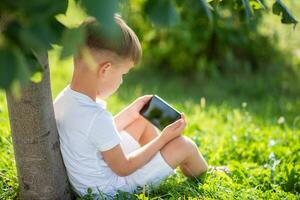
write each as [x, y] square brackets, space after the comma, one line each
[151, 173]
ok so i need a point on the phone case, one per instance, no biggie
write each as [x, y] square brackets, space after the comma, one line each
[159, 112]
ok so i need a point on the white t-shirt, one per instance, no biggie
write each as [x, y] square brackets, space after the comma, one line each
[85, 127]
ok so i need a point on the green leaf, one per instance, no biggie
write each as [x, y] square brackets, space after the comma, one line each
[162, 12]
[286, 16]
[248, 10]
[74, 16]
[36, 8]
[103, 11]
[13, 67]
[71, 40]
[36, 36]
[36, 77]
[257, 4]
[23, 72]
[207, 9]
[8, 67]
[57, 30]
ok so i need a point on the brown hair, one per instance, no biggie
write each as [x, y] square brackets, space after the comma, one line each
[123, 42]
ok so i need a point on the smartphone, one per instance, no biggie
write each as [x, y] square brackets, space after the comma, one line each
[159, 112]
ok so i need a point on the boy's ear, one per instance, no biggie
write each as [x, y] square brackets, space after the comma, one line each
[104, 69]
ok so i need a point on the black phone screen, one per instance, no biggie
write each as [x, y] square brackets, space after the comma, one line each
[159, 112]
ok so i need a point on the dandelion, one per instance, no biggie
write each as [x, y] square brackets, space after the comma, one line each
[244, 104]
[271, 143]
[281, 120]
[234, 138]
[202, 102]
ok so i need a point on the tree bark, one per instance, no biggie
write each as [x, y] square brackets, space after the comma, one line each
[40, 168]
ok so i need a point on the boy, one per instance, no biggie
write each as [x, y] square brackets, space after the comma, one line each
[110, 153]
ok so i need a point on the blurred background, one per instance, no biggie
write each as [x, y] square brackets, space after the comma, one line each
[228, 58]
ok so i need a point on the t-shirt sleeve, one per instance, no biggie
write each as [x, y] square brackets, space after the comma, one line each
[103, 131]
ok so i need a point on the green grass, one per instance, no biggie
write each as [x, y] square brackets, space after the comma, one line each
[250, 124]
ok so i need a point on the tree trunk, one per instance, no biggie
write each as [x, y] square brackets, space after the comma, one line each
[41, 172]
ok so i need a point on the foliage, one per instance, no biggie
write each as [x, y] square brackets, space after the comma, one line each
[230, 43]
[26, 29]
[280, 9]
[29, 28]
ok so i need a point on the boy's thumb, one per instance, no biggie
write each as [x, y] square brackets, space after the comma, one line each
[177, 124]
[182, 125]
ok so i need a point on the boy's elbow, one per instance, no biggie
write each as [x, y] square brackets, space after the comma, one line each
[122, 173]
[123, 170]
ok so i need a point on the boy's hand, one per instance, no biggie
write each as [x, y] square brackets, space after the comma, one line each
[135, 107]
[131, 112]
[173, 130]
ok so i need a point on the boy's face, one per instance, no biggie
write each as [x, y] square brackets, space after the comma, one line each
[110, 77]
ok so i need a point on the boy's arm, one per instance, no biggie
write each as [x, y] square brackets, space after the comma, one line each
[124, 165]
[130, 113]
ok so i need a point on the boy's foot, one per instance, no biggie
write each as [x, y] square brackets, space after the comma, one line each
[211, 169]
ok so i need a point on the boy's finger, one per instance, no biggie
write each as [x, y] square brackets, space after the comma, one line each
[177, 123]
[182, 116]
[181, 127]
[148, 95]
[146, 98]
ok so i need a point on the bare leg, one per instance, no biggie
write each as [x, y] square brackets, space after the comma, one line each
[142, 131]
[181, 151]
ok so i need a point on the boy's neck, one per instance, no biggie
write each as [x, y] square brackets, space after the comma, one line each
[84, 90]
[84, 83]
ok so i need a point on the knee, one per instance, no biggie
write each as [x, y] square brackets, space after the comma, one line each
[143, 121]
[186, 144]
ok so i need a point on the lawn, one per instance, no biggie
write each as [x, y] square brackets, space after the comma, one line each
[250, 124]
